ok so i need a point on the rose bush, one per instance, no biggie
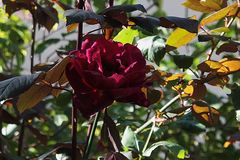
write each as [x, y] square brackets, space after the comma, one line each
[104, 71]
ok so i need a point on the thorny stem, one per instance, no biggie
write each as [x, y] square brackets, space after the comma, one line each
[91, 137]
[153, 118]
[33, 43]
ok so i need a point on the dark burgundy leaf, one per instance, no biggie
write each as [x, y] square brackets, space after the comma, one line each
[14, 86]
[46, 16]
[190, 25]
[148, 23]
[13, 6]
[79, 16]
[110, 134]
[205, 38]
[7, 118]
[227, 47]
[115, 156]
[125, 8]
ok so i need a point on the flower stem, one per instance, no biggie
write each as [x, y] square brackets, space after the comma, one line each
[80, 27]
[91, 137]
[153, 118]
[74, 132]
[21, 138]
[33, 43]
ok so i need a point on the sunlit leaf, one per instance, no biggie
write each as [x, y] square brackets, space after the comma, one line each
[229, 66]
[175, 77]
[217, 15]
[72, 27]
[205, 113]
[178, 38]
[220, 30]
[126, 35]
[210, 4]
[196, 5]
[195, 89]
[209, 65]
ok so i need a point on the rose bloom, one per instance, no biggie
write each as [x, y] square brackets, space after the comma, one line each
[104, 71]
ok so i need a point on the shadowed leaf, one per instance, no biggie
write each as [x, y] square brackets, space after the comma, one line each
[14, 86]
[176, 149]
[183, 61]
[79, 16]
[190, 25]
[125, 8]
[228, 47]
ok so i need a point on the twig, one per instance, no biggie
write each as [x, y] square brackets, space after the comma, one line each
[148, 138]
[153, 118]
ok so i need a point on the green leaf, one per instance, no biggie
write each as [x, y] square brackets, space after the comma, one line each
[153, 48]
[45, 44]
[125, 8]
[79, 16]
[174, 148]
[183, 61]
[129, 139]
[126, 35]
[14, 86]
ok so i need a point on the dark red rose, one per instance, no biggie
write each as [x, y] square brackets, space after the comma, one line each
[104, 71]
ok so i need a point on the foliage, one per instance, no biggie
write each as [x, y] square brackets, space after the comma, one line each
[193, 68]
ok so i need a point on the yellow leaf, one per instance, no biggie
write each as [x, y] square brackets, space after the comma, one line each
[175, 77]
[209, 65]
[229, 66]
[195, 5]
[210, 4]
[178, 38]
[227, 144]
[72, 27]
[205, 113]
[234, 11]
[217, 15]
[220, 30]
[195, 89]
